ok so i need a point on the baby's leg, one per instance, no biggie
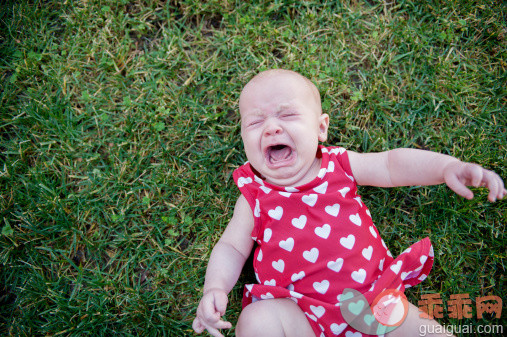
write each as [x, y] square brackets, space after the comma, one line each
[273, 317]
[413, 325]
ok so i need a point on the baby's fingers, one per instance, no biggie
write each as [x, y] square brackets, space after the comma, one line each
[495, 185]
[213, 330]
[458, 187]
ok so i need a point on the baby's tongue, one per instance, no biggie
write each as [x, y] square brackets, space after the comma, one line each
[279, 152]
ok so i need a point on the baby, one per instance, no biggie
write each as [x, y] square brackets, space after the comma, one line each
[314, 235]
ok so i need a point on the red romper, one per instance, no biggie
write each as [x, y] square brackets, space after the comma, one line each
[315, 240]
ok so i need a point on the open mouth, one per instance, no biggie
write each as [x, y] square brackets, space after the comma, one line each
[278, 154]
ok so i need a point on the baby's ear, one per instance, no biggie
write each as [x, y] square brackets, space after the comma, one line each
[323, 127]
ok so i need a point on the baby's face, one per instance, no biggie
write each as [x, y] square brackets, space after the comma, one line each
[281, 125]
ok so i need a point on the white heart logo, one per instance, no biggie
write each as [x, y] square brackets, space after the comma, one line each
[373, 232]
[333, 210]
[297, 276]
[355, 219]
[285, 194]
[311, 255]
[367, 253]
[321, 287]
[299, 222]
[359, 276]
[267, 234]
[323, 231]
[242, 181]
[318, 311]
[278, 265]
[348, 242]
[322, 188]
[396, 267]
[338, 329]
[335, 266]
[344, 191]
[310, 199]
[257, 210]
[287, 244]
[276, 213]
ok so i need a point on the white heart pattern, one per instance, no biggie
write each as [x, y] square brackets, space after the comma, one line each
[338, 328]
[348, 242]
[310, 199]
[333, 210]
[322, 188]
[267, 234]
[270, 283]
[323, 231]
[335, 266]
[278, 265]
[299, 222]
[311, 255]
[322, 173]
[367, 252]
[259, 256]
[318, 311]
[344, 191]
[242, 181]
[276, 213]
[288, 244]
[257, 210]
[359, 276]
[355, 219]
[297, 276]
[265, 189]
[267, 296]
[321, 287]
[396, 267]
[330, 167]
[373, 232]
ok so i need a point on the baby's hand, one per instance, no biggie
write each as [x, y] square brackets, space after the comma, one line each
[458, 175]
[211, 308]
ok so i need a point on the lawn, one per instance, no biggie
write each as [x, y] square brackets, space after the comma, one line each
[120, 132]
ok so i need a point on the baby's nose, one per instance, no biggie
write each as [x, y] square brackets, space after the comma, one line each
[272, 127]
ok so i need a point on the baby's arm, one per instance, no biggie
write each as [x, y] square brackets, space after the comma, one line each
[411, 167]
[224, 267]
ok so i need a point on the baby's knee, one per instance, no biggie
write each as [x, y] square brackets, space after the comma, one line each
[258, 319]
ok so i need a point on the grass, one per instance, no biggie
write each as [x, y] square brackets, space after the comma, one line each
[120, 134]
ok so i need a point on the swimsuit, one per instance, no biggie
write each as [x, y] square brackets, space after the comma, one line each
[316, 240]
